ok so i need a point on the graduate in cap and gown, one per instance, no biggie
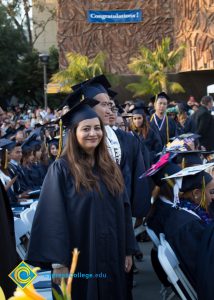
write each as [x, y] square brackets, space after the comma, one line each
[123, 147]
[83, 204]
[159, 121]
[147, 135]
[183, 221]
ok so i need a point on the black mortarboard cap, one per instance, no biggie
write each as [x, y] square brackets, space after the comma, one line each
[139, 108]
[111, 93]
[158, 96]
[167, 170]
[72, 99]
[189, 159]
[7, 144]
[163, 95]
[79, 112]
[34, 135]
[195, 182]
[94, 86]
[53, 141]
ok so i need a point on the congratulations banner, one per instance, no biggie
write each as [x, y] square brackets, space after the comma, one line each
[115, 16]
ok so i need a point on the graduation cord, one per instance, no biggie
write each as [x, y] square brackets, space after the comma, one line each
[159, 128]
[183, 163]
[203, 195]
[6, 159]
[60, 139]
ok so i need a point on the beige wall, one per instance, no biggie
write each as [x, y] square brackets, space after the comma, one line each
[48, 36]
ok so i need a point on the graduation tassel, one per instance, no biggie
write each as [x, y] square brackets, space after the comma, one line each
[183, 163]
[6, 159]
[167, 129]
[60, 139]
[203, 195]
[169, 181]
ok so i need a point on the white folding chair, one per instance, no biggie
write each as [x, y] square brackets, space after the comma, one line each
[182, 277]
[27, 217]
[34, 205]
[22, 237]
[170, 264]
[153, 236]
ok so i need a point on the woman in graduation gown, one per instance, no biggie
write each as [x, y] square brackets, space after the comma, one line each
[83, 205]
[148, 136]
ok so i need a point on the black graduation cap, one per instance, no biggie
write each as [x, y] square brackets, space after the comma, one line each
[31, 145]
[7, 144]
[79, 112]
[72, 99]
[139, 108]
[188, 159]
[167, 170]
[112, 94]
[193, 177]
[161, 95]
[94, 86]
[53, 141]
[195, 182]
[34, 135]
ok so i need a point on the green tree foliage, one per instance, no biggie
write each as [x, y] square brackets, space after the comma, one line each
[28, 84]
[12, 49]
[153, 68]
[79, 68]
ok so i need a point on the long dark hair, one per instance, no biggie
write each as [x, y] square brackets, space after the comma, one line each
[82, 170]
[143, 130]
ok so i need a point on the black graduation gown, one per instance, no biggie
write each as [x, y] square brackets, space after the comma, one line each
[183, 231]
[205, 265]
[132, 167]
[8, 255]
[21, 184]
[204, 123]
[99, 226]
[163, 131]
[153, 145]
[189, 126]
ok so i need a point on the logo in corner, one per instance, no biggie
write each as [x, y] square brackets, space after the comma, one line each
[22, 275]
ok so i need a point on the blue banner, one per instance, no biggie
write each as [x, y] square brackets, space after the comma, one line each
[115, 16]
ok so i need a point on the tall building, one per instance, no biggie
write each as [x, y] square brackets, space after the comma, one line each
[45, 25]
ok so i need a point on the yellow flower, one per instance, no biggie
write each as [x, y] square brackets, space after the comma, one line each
[2, 297]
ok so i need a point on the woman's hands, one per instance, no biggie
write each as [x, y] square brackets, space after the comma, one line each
[128, 263]
[62, 273]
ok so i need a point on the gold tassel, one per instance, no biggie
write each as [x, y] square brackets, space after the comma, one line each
[60, 139]
[183, 163]
[167, 129]
[169, 181]
[6, 159]
[203, 195]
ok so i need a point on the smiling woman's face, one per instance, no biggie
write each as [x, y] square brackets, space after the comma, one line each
[89, 134]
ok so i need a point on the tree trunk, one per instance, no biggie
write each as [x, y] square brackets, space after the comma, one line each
[28, 23]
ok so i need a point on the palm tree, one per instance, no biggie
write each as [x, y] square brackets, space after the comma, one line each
[79, 68]
[153, 68]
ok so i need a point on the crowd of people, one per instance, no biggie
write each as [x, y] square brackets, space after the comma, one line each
[96, 164]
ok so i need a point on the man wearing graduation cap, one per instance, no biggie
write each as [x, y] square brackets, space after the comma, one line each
[159, 121]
